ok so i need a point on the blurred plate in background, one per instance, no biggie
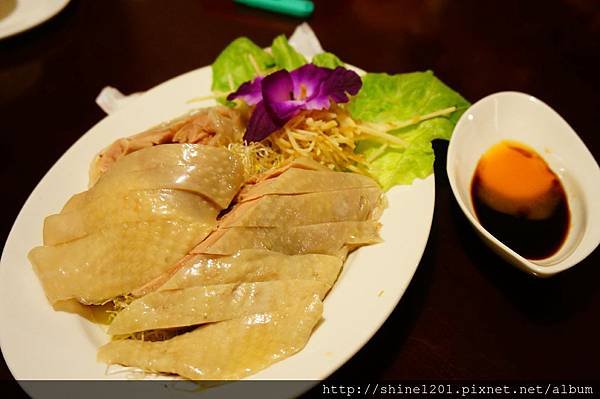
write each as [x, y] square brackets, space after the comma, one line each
[20, 15]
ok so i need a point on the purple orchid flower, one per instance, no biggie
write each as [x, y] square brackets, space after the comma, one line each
[282, 95]
[250, 92]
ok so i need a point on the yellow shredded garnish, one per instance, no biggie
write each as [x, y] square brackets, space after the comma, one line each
[256, 157]
[329, 137]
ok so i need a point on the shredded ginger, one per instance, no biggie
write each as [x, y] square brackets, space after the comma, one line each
[328, 136]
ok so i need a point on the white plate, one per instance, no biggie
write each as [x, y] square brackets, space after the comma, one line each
[39, 343]
[26, 14]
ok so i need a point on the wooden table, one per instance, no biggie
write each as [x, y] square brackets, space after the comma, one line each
[466, 314]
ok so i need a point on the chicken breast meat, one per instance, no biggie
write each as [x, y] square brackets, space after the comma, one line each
[242, 267]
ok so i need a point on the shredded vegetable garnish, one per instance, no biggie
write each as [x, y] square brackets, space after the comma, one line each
[213, 96]
[256, 157]
[257, 69]
[327, 136]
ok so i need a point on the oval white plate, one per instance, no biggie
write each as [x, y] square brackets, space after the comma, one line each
[39, 343]
[29, 13]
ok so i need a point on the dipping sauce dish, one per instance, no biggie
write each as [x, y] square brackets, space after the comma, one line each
[520, 120]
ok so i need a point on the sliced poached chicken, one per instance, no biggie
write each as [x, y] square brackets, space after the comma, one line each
[140, 219]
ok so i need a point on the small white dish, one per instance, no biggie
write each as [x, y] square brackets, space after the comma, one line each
[524, 118]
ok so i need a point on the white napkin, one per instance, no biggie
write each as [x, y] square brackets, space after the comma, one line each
[303, 40]
[111, 99]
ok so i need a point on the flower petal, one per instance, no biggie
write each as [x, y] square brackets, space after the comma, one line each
[260, 125]
[307, 80]
[250, 92]
[340, 83]
[318, 101]
[282, 95]
[278, 97]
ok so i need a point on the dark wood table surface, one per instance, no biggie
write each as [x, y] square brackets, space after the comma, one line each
[466, 314]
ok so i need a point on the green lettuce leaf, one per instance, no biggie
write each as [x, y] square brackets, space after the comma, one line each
[239, 61]
[235, 65]
[398, 98]
[401, 166]
[327, 60]
[286, 57]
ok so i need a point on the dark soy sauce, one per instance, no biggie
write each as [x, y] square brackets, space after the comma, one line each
[533, 239]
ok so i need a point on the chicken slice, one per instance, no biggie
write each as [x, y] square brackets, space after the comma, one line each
[213, 126]
[322, 238]
[129, 207]
[253, 265]
[298, 163]
[332, 221]
[115, 238]
[206, 304]
[114, 260]
[214, 173]
[98, 314]
[354, 204]
[74, 202]
[226, 350]
[302, 181]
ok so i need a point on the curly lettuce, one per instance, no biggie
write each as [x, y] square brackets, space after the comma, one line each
[242, 60]
[239, 62]
[327, 60]
[397, 99]
[384, 100]
[286, 57]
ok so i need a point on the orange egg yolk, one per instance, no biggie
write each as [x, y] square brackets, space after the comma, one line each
[514, 179]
